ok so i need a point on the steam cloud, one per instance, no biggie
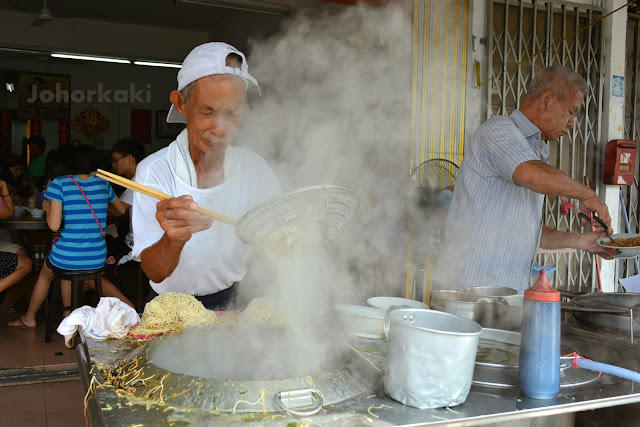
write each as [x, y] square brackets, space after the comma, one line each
[335, 110]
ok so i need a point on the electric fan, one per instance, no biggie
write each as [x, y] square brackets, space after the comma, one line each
[428, 197]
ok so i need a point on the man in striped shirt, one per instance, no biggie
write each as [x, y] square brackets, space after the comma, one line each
[494, 226]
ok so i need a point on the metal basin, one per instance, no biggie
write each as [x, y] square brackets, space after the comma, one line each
[613, 301]
[255, 369]
[504, 312]
[459, 303]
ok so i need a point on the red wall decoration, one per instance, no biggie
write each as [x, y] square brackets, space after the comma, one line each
[5, 130]
[64, 133]
[141, 125]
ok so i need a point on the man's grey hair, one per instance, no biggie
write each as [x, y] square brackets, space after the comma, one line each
[561, 81]
[186, 92]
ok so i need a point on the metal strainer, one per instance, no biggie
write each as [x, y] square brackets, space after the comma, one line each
[307, 215]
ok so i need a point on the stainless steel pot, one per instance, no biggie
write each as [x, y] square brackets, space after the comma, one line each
[430, 357]
[491, 291]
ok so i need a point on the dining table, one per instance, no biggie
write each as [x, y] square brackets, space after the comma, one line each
[36, 237]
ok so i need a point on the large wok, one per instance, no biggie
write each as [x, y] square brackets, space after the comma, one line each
[251, 368]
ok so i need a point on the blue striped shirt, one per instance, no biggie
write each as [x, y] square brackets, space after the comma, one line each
[494, 226]
[81, 245]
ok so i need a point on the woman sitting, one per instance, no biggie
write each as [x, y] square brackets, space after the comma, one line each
[82, 201]
[13, 267]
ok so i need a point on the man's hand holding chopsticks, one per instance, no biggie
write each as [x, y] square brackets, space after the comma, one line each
[179, 219]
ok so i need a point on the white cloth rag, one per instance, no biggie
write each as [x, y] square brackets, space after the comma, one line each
[183, 164]
[110, 319]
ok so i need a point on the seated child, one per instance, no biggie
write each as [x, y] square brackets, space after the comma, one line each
[82, 200]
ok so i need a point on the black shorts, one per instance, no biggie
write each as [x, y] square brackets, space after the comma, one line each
[8, 264]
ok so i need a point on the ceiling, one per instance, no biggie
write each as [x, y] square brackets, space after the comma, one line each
[173, 14]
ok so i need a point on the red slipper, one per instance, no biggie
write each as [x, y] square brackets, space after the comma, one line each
[22, 325]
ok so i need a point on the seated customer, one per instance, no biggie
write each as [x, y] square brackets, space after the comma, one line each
[125, 156]
[6, 212]
[12, 269]
[17, 182]
[37, 145]
[81, 245]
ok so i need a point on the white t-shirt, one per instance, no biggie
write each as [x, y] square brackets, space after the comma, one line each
[215, 258]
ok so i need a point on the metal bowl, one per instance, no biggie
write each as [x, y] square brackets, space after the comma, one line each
[620, 252]
[18, 211]
[362, 321]
[36, 213]
[384, 303]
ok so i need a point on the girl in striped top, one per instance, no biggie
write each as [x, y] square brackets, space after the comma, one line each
[81, 245]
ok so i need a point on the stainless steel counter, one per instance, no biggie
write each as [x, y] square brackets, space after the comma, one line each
[483, 405]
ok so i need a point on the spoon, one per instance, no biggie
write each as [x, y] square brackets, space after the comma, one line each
[601, 222]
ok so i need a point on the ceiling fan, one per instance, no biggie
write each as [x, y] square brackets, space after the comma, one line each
[43, 16]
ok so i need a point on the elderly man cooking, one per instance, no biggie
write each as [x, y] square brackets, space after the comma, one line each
[494, 226]
[181, 250]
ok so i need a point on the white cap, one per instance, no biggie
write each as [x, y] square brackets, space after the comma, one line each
[206, 60]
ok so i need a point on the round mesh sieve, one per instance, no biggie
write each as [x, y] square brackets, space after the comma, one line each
[307, 216]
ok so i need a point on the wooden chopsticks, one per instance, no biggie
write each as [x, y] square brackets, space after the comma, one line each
[124, 182]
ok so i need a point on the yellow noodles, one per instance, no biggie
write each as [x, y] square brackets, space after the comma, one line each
[623, 243]
[173, 312]
[262, 311]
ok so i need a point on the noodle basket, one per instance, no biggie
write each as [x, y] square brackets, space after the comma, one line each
[306, 216]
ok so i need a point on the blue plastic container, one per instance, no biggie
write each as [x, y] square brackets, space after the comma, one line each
[539, 372]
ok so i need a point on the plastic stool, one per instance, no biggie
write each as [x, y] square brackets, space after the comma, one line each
[55, 294]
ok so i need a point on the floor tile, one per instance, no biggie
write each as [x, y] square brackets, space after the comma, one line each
[23, 397]
[23, 418]
[13, 345]
[66, 416]
[56, 402]
[20, 360]
[65, 393]
[57, 353]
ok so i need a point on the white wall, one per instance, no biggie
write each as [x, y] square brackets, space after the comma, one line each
[99, 38]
